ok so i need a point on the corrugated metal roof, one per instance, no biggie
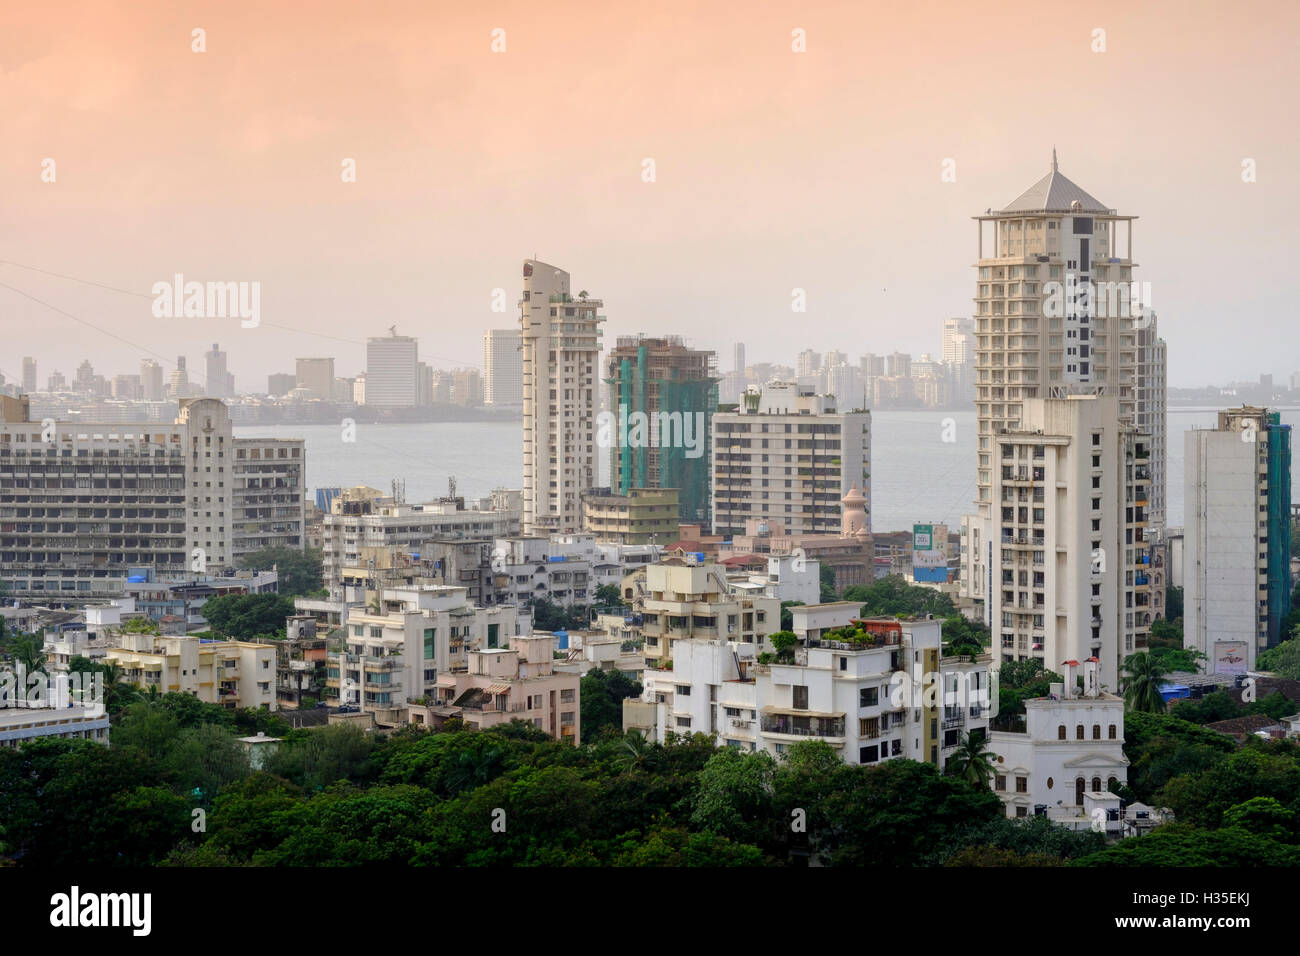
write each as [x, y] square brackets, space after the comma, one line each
[1054, 193]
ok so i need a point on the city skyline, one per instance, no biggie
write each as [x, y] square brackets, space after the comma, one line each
[335, 257]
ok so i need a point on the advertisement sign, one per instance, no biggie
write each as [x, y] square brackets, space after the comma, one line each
[1229, 657]
[922, 537]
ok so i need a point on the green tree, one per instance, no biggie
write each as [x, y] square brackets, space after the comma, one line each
[894, 596]
[734, 794]
[299, 571]
[1143, 676]
[1180, 845]
[601, 695]
[1173, 603]
[29, 651]
[787, 616]
[607, 595]
[972, 760]
[964, 636]
[1282, 659]
[245, 617]
[1263, 816]
[784, 642]
[826, 579]
[140, 625]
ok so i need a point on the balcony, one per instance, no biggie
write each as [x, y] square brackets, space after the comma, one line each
[803, 726]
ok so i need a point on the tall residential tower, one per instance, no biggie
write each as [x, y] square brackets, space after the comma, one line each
[560, 336]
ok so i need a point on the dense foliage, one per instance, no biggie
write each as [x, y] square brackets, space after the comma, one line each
[299, 570]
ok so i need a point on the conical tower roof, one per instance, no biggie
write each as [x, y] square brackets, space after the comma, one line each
[1055, 193]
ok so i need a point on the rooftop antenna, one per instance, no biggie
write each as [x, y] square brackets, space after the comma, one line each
[451, 486]
[392, 330]
[399, 490]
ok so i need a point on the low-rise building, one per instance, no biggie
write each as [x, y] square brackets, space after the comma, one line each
[1072, 744]
[234, 674]
[862, 687]
[395, 653]
[519, 682]
[18, 725]
[642, 516]
[681, 598]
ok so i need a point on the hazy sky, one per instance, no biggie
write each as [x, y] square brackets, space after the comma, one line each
[774, 169]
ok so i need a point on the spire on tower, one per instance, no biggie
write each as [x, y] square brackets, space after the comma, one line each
[1053, 159]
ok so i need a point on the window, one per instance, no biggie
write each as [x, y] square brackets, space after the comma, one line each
[429, 633]
[869, 754]
[1078, 732]
[1096, 731]
[1096, 784]
[800, 697]
[1112, 731]
[1060, 732]
[868, 697]
[1022, 784]
[999, 782]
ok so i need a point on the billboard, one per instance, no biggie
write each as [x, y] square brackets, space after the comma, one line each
[1229, 657]
[922, 537]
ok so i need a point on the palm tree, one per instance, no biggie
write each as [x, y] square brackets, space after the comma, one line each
[1143, 675]
[29, 650]
[972, 760]
[634, 750]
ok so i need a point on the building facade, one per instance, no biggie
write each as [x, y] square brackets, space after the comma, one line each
[503, 368]
[787, 455]
[1236, 540]
[560, 338]
[1071, 560]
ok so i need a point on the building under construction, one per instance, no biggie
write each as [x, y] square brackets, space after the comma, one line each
[663, 396]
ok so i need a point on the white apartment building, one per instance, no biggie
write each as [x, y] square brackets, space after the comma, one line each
[1071, 566]
[396, 653]
[558, 568]
[391, 376]
[503, 368]
[1039, 336]
[82, 505]
[789, 577]
[679, 600]
[235, 674]
[1072, 746]
[560, 339]
[865, 698]
[1236, 542]
[788, 455]
[367, 518]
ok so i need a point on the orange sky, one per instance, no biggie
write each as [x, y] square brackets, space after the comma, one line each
[775, 170]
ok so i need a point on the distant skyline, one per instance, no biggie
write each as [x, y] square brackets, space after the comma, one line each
[774, 171]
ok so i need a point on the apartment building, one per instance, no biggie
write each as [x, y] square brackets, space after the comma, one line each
[519, 682]
[234, 674]
[558, 568]
[643, 515]
[1070, 557]
[1070, 748]
[860, 686]
[391, 373]
[560, 338]
[673, 390]
[1054, 315]
[787, 455]
[503, 368]
[83, 504]
[367, 518]
[1236, 542]
[396, 651]
[315, 376]
[679, 599]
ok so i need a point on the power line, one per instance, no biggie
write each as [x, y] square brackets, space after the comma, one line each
[274, 325]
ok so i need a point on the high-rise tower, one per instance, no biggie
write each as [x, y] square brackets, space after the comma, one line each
[560, 338]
